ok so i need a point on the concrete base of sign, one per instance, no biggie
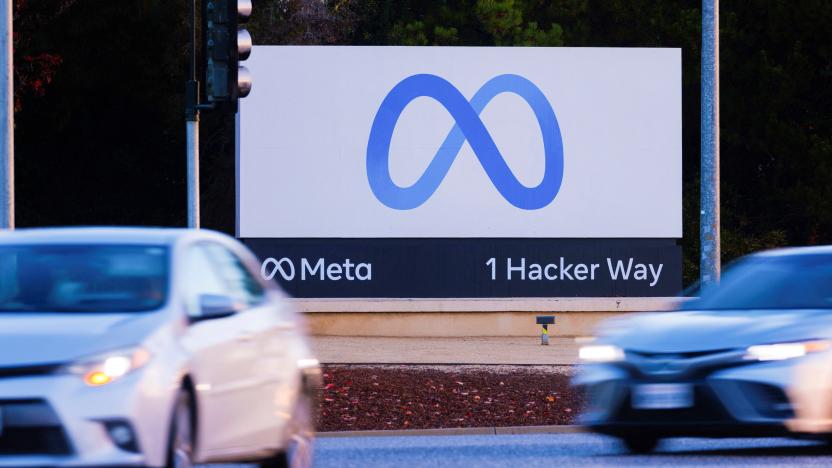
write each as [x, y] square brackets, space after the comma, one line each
[445, 351]
[466, 317]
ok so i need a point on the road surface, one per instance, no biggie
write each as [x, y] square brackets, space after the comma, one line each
[559, 450]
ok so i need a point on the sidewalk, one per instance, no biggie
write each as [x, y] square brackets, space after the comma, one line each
[475, 350]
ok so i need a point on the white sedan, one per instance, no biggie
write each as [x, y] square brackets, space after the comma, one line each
[158, 347]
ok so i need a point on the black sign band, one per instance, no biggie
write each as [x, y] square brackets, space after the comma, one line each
[454, 268]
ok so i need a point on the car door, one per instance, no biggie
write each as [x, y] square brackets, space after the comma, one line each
[271, 328]
[222, 352]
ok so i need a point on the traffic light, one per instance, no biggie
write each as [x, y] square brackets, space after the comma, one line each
[225, 45]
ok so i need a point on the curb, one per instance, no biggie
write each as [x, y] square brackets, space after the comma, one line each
[561, 429]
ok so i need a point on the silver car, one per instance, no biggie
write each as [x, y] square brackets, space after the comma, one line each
[720, 366]
[159, 347]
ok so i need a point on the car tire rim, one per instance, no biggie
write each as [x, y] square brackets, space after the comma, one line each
[182, 441]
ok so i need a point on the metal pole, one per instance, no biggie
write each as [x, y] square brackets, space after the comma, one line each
[6, 117]
[192, 129]
[709, 215]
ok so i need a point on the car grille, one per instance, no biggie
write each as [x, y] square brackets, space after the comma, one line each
[25, 371]
[688, 355]
[706, 408]
[673, 366]
[31, 427]
[34, 441]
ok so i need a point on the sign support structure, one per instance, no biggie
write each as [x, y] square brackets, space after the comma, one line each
[6, 117]
[192, 128]
[709, 222]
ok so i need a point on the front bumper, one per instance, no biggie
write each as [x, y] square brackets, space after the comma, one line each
[743, 401]
[56, 419]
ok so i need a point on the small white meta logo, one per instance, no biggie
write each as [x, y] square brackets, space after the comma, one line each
[320, 269]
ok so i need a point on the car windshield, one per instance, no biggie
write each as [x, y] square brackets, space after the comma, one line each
[772, 282]
[82, 278]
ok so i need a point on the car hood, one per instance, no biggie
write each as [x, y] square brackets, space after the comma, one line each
[44, 338]
[696, 331]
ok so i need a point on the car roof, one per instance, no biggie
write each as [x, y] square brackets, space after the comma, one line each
[102, 235]
[794, 251]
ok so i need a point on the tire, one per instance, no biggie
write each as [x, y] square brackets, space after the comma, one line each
[640, 444]
[298, 451]
[180, 452]
[281, 460]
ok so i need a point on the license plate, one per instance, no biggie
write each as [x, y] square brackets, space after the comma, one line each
[662, 396]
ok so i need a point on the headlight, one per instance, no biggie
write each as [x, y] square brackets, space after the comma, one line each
[600, 353]
[780, 351]
[107, 367]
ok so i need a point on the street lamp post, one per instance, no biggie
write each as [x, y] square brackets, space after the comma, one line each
[709, 264]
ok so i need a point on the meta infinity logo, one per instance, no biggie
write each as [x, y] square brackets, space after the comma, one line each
[469, 127]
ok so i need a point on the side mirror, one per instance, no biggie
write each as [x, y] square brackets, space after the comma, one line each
[212, 306]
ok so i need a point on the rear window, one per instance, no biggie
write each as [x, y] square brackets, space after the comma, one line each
[83, 278]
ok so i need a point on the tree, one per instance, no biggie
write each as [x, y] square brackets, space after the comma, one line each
[34, 65]
[99, 122]
[303, 21]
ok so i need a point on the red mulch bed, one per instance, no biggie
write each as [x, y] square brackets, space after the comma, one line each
[402, 397]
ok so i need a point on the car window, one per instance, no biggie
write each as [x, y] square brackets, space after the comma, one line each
[201, 277]
[241, 283]
[800, 281]
[83, 278]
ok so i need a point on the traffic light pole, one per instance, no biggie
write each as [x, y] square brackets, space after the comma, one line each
[192, 128]
[6, 117]
[224, 45]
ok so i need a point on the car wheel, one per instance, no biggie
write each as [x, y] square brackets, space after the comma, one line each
[640, 444]
[181, 443]
[298, 452]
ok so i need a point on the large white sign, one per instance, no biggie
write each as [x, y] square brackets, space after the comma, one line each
[461, 142]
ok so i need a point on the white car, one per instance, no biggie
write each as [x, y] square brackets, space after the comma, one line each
[151, 347]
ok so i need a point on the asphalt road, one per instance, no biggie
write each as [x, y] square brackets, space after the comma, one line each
[560, 450]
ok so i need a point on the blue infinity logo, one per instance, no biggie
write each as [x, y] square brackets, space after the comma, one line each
[468, 127]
